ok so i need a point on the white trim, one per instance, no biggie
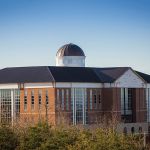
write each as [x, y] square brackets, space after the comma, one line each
[109, 85]
[38, 85]
[78, 85]
[9, 86]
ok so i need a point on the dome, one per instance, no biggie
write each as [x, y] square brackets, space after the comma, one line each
[70, 50]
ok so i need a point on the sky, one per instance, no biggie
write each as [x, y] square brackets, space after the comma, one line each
[112, 33]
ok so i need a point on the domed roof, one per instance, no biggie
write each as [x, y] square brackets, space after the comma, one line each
[70, 50]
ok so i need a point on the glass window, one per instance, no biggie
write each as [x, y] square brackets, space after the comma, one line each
[5, 106]
[17, 102]
[67, 99]
[132, 130]
[40, 98]
[79, 105]
[58, 98]
[95, 101]
[25, 100]
[47, 98]
[126, 104]
[32, 100]
[62, 102]
[91, 99]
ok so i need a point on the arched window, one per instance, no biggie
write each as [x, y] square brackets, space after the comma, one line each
[132, 130]
[140, 129]
[125, 130]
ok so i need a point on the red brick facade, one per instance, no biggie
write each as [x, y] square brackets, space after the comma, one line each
[107, 104]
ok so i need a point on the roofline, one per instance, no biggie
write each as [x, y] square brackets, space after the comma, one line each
[129, 68]
[122, 73]
[139, 76]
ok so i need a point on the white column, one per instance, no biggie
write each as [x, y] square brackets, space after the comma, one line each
[73, 105]
[83, 105]
[12, 106]
[75, 109]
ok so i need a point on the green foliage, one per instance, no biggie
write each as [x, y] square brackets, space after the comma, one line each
[33, 137]
[44, 137]
[8, 138]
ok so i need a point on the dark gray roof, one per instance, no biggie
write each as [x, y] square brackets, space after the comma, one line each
[146, 77]
[25, 75]
[109, 75]
[70, 50]
[64, 74]
[60, 74]
[74, 74]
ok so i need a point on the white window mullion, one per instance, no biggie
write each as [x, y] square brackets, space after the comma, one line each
[83, 105]
[12, 106]
[75, 108]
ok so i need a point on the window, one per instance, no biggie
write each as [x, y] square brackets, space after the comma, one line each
[132, 130]
[140, 129]
[129, 99]
[79, 105]
[126, 104]
[99, 98]
[125, 130]
[40, 99]
[17, 102]
[5, 106]
[67, 99]
[47, 98]
[62, 102]
[32, 100]
[90, 99]
[25, 100]
[58, 98]
[95, 100]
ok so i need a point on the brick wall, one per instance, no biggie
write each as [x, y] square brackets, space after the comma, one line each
[36, 115]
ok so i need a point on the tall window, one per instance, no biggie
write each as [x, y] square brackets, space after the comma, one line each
[17, 102]
[67, 99]
[62, 101]
[91, 100]
[126, 104]
[32, 100]
[148, 103]
[95, 99]
[40, 99]
[99, 100]
[47, 98]
[5, 106]
[25, 100]
[58, 99]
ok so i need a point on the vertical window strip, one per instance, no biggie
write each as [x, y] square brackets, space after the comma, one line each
[67, 99]
[62, 102]
[122, 101]
[91, 102]
[25, 100]
[95, 99]
[47, 98]
[129, 99]
[100, 99]
[17, 102]
[32, 100]
[58, 98]
[40, 98]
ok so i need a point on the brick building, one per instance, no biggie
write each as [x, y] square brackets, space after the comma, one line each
[74, 94]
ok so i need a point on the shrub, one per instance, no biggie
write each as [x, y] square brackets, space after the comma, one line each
[8, 138]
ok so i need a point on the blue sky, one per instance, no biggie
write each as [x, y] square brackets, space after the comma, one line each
[111, 32]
